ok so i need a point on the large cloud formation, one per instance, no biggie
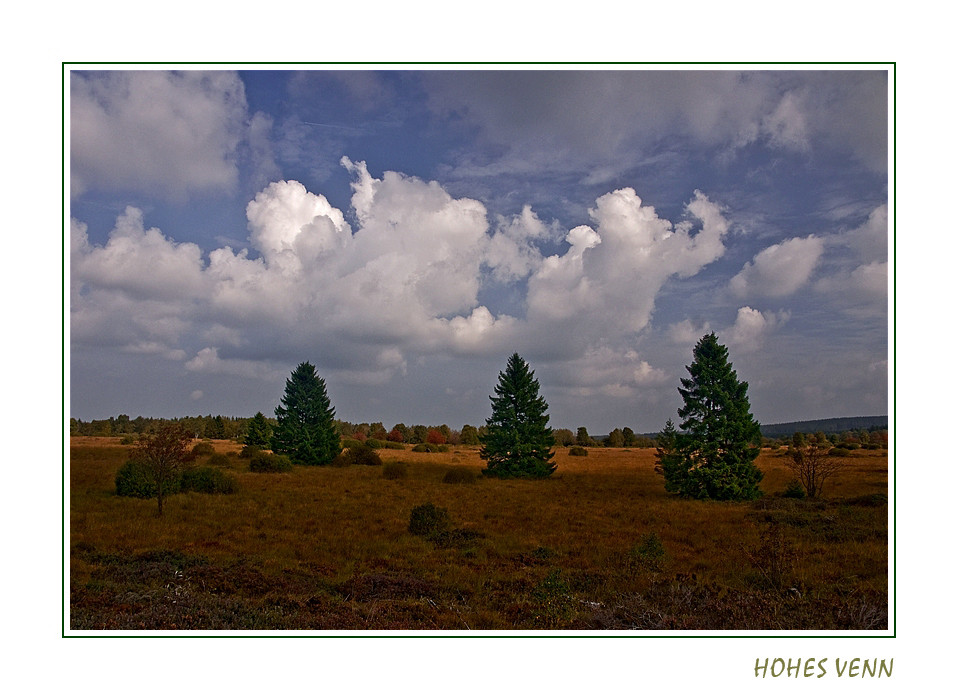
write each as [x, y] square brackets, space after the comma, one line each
[404, 284]
[165, 133]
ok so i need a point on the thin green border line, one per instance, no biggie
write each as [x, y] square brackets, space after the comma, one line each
[891, 67]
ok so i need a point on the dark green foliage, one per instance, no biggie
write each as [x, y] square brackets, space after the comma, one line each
[250, 451]
[207, 480]
[267, 462]
[163, 455]
[203, 448]
[429, 447]
[394, 470]
[668, 460]
[218, 459]
[518, 442]
[793, 490]
[615, 439]
[358, 454]
[306, 430]
[714, 456]
[469, 435]
[429, 520]
[649, 553]
[582, 437]
[133, 479]
[578, 451]
[374, 444]
[259, 432]
[459, 475]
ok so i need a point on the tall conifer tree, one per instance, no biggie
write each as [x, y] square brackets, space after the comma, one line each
[306, 431]
[714, 455]
[518, 442]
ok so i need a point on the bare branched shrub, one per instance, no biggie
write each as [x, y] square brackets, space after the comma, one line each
[774, 558]
[812, 465]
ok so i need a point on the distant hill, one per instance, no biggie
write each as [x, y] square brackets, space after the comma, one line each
[826, 425]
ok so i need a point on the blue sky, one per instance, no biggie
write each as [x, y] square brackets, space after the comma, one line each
[407, 230]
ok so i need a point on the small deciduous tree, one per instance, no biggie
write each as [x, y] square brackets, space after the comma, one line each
[518, 442]
[582, 437]
[469, 435]
[162, 456]
[812, 465]
[306, 428]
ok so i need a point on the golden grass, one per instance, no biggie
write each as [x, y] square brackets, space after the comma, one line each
[326, 548]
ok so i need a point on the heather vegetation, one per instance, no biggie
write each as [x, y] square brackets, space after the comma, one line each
[306, 522]
[601, 545]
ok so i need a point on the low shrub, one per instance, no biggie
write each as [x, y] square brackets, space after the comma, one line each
[250, 451]
[793, 490]
[207, 480]
[374, 444]
[430, 447]
[459, 475]
[390, 445]
[839, 452]
[350, 443]
[134, 480]
[357, 454]
[429, 520]
[578, 451]
[267, 462]
[218, 459]
[649, 553]
[394, 470]
[203, 448]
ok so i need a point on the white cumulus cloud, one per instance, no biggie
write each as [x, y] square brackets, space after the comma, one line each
[780, 270]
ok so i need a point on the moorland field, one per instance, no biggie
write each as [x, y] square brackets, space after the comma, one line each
[598, 546]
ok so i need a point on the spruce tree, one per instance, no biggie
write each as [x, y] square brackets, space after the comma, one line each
[259, 433]
[716, 450]
[306, 430]
[518, 442]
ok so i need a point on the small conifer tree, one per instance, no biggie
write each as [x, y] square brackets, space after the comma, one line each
[716, 450]
[259, 432]
[306, 429]
[517, 442]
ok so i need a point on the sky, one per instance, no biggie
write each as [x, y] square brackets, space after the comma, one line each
[406, 231]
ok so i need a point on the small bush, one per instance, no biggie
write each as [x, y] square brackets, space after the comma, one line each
[649, 553]
[128, 440]
[134, 480]
[793, 490]
[578, 451]
[429, 447]
[350, 443]
[267, 462]
[839, 452]
[428, 520]
[459, 475]
[374, 444]
[203, 448]
[250, 451]
[218, 459]
[207, 480]
[394, 470]
[390, 445]
[358, 454]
